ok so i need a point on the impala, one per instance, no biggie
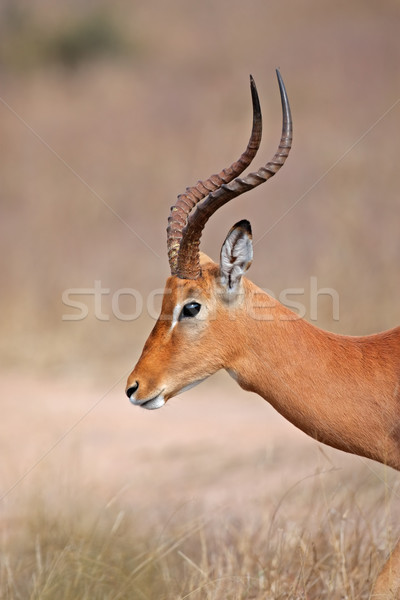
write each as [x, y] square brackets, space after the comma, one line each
[343, 391]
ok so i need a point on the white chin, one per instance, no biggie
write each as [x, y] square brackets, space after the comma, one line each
[151, 404]
[154, 403]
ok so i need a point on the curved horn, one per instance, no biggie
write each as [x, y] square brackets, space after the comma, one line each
[188, 255]
[185, 203]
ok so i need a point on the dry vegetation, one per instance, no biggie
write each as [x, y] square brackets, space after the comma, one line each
[107, 111]
[101, 504]
[103, 552]
[316, 541]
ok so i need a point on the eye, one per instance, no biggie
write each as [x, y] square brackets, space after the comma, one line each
[191, 309]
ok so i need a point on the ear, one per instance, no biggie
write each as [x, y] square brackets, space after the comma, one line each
[236, 255]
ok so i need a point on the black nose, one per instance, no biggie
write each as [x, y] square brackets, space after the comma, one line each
[131, 390]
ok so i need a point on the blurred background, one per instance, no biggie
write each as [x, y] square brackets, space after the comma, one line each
[108, 110]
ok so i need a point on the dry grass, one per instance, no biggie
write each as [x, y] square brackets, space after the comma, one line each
[317, 542]
[214, 496]
[101, 501]
[122, 134]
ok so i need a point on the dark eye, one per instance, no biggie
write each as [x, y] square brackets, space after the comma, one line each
[191, 309]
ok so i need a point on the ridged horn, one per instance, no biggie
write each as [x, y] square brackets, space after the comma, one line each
[188, 226]
[187, 201]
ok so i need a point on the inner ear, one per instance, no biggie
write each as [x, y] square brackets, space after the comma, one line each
[236, 255]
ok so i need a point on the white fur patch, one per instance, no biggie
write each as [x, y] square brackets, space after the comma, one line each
[191, 385]
[175, 316]
[157, 402]
[236, 257]
[233, 374]
[151, 404]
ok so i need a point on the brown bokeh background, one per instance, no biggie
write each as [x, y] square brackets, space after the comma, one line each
[108, 110]
[99, 136]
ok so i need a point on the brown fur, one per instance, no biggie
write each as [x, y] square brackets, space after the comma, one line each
[343, 391]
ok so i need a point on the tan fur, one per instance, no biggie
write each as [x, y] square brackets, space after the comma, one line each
[343, 391]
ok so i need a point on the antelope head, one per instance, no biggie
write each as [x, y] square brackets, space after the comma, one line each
[194, 334]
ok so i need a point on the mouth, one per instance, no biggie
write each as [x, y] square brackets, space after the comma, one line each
[161, 398]
[151, 403]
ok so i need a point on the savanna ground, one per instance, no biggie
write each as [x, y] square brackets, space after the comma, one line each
[108, 110]
[212, 497]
